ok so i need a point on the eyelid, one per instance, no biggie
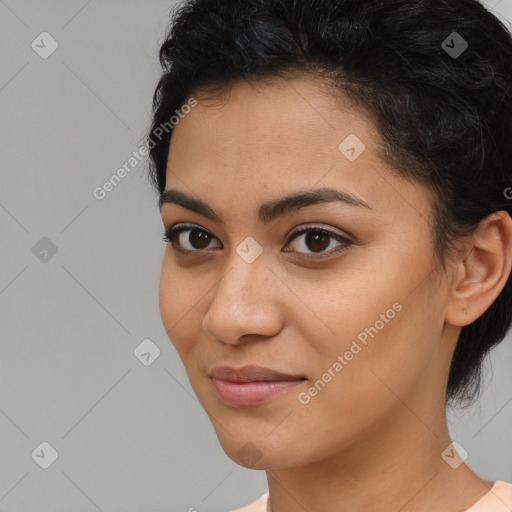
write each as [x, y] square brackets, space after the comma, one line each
[171, 233]
[345, 241]
[298, 230]
[320, 227]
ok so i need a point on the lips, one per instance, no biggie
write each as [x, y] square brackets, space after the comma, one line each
[251, 386]
[251, 374]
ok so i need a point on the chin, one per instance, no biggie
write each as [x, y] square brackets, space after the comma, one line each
[258, 452]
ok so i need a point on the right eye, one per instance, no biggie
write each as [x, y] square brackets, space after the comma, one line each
[197, 240]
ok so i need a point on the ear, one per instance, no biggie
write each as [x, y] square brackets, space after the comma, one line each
[482, 273]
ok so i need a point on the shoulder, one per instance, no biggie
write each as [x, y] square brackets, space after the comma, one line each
[259, 505]
[504, 491]
[498, 499]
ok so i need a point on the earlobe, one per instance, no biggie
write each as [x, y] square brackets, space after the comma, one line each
[483, 272]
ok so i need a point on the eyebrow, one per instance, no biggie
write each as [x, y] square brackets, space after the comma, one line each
[268, 211]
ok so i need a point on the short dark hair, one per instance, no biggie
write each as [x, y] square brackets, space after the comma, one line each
[445, 117]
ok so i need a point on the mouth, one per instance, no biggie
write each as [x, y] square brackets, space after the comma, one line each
[251, 385]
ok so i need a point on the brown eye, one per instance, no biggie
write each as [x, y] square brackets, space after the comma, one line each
[199, 239]
[188, 238]
[317, 240]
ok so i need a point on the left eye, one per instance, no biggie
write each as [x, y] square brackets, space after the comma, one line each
[319, 240]
[316, 239]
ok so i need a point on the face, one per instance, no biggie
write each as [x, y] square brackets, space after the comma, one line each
[354, 305]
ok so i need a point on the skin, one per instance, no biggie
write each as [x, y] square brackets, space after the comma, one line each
[372, 438]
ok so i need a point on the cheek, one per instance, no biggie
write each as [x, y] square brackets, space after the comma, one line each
[370, 335]
[356, 384]
[179, 307]
[166, 298]
[384, 362]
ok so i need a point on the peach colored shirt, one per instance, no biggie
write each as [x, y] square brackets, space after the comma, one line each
[498, 499]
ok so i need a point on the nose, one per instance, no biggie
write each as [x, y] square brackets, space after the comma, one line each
[247, 301]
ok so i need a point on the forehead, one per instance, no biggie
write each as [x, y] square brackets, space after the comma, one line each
[261, 140]
[278, 113]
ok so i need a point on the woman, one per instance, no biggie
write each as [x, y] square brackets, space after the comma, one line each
[336, 195]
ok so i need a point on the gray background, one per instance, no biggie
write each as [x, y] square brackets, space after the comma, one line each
[129, 437]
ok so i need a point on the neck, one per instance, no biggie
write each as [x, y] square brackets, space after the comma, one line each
[397, 467]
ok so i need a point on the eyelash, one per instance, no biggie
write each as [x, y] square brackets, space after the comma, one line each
[172, 234]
